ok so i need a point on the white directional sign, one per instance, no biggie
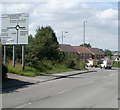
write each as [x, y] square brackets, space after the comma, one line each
[14, 29]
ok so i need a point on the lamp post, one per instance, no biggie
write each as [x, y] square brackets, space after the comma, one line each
[84, 31]
[63, 35]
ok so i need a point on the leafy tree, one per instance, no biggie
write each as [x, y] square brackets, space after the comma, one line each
[108, 53]
[46, 43]
[29, 51]
[43, 46]
[86, 45]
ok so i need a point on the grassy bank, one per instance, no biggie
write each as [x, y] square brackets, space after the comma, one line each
[30, 71]
[116, 64]
[46, 67]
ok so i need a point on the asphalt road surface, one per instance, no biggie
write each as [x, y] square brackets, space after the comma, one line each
[90, 90]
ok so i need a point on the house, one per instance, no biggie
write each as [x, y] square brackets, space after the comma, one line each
[115, 58]
[116, 53]
[67, 49]
[84, 52]
[97, 53]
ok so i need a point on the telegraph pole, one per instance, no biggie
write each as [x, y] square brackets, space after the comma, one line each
[63, 35]
[84, 31]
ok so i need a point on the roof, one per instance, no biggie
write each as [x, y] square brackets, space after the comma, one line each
[116, 53]
[96, 51]
[67, 48]
[82, 49]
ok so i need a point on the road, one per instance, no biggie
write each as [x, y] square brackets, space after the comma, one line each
[90, 90]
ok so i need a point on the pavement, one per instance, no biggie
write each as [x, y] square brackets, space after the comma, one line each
[15, 80]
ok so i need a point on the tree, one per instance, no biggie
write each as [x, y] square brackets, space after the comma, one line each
[86, 45]
[43, 46]
[29, 53]
[108, 53]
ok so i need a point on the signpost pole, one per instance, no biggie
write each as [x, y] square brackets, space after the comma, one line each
[23, 57]
[13, 55]
[4, 55]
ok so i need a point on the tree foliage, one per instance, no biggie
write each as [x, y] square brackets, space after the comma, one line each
[86, 45]
[108, 52]
[43, 46]
[46, 43]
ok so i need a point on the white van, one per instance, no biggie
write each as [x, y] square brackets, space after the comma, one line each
[106, 64]
[92, 63]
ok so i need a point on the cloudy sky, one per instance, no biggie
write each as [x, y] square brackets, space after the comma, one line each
[101, 26]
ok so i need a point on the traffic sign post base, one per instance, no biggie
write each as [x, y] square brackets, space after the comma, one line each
[4, 55]
[13, 56]
[23, 57]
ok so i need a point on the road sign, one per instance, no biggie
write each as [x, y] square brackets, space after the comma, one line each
[14, 29]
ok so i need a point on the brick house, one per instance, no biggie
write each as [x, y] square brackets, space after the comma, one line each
[97, 53]
[84, 52]
[68, 49]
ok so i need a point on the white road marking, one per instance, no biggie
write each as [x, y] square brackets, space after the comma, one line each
[105, 77]
[111, 74]
[24, 105]
[60, 92]
[108, 75]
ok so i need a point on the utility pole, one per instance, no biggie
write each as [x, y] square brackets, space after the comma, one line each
[84, 31]
[63, 35]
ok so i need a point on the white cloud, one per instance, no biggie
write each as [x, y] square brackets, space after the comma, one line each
[16, 7]
[69, 16]
[108, 14]
[101, 25]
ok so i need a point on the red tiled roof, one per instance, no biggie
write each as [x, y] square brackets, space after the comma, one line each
[96, 51]
[82, 49]
[67, 48]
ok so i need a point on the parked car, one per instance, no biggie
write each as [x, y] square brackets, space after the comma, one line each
[107, 64]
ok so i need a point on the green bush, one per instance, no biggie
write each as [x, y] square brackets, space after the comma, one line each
[74, 62]
[80, 65]
[45, 66]
[99, 62]
[4, 72]
[116, 64]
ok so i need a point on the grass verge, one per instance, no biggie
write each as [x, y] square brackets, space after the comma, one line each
[31, 72]
[116, 64]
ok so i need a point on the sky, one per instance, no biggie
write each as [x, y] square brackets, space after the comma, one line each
[101, 28]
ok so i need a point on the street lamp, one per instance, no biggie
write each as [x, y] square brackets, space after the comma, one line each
[62, 35]
[84, 31]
